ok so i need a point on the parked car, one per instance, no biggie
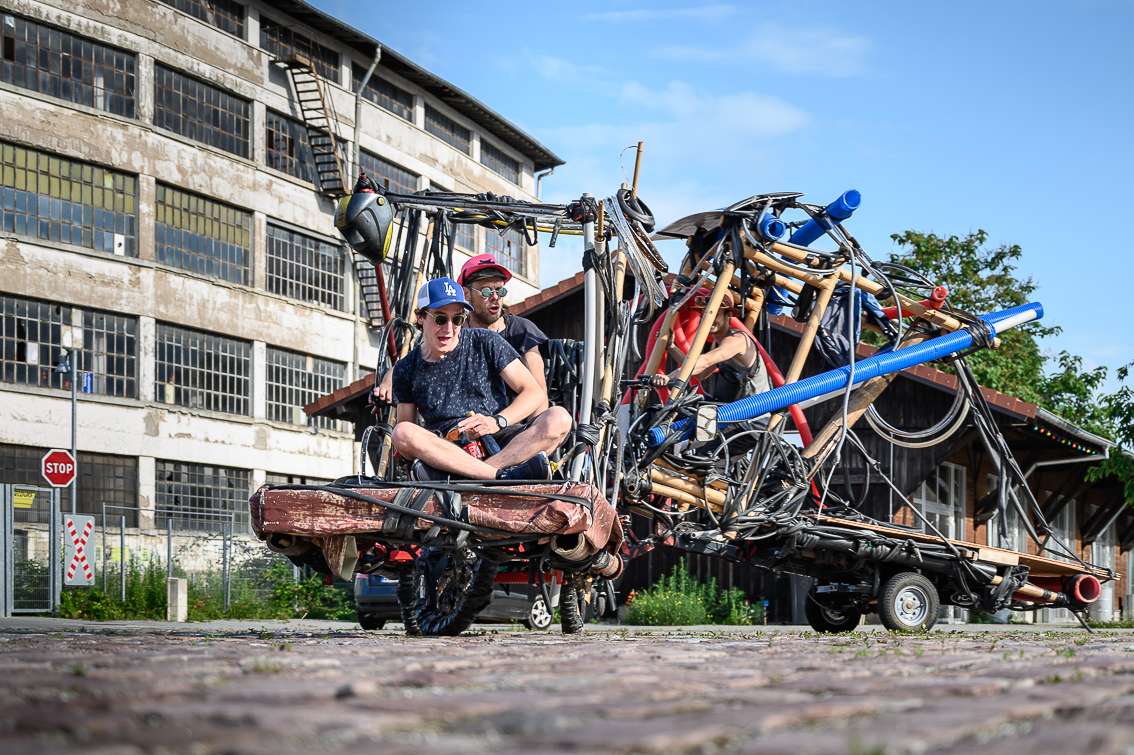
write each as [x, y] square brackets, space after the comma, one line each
[376, 600]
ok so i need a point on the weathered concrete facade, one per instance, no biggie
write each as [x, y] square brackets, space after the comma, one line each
[34, 268]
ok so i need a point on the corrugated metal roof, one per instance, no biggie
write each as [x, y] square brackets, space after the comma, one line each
[453, 96]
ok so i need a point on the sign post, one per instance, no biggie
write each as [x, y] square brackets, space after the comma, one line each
[77, 530]
[58, 468]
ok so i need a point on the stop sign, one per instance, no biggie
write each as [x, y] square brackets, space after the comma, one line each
[58, 467]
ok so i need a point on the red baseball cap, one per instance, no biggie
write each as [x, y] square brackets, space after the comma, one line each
[480, 264]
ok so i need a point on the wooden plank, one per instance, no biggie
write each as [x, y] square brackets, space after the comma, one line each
[1039, 566]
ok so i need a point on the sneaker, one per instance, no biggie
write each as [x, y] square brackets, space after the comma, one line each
[535, 468]
[422, 472]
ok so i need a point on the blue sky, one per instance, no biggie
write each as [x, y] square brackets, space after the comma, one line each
[1012, 117]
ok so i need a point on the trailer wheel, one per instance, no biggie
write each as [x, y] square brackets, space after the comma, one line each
[452, 588]
[829, 619]
[908, 602]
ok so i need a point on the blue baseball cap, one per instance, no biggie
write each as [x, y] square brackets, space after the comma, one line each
[438, 292]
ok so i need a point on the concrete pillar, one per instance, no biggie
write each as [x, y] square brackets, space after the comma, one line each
[177, 599]
[144, 88]
[259, 378]
[259, 137]
[259, 250]
[419, 111]
[147, 491]
[147, 356]
[259, 476]
[147, 209]
[252, 25]
[474, 146]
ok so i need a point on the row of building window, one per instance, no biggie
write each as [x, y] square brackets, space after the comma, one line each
[55, 62]
[191, 496]
[51, 198]
[192, 368]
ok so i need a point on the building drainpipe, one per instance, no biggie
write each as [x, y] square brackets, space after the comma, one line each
[539, 179]
[355, 171]
[358, 112]
[1071, 460]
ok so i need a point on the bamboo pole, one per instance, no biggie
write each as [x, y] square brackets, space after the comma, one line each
[637, 167]
[706, 325]
[935, 316]
[685, 485]
[860, 401]
[807, 338]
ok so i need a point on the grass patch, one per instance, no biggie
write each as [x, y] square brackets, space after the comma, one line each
[679, 599]
[270, 592]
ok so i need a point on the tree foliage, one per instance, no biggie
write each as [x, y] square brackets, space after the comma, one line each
[982, 279]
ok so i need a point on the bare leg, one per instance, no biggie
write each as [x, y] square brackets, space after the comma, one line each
[415, 442]
[545, 434]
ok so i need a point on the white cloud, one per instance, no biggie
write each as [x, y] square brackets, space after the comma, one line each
[810, 51]
[559, 69]
[728, 140]
[695, 12]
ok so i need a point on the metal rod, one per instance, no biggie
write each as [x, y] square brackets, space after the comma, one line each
[75, 427]
[102, 550]
[168, 547]
[591, 338]
[226, 567]
[122, 557]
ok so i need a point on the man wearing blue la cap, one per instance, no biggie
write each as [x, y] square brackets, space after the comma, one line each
[461, 378]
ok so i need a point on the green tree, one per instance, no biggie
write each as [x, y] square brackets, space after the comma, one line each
[982, 280]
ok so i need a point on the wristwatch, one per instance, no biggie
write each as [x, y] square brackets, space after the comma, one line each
[501, 420]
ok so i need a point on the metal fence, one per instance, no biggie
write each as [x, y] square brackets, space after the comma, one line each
[224, 564]
[30, 549]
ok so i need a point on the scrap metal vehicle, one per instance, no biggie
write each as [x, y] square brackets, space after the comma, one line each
[722, 478]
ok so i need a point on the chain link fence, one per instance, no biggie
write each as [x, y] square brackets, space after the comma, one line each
[229, 571]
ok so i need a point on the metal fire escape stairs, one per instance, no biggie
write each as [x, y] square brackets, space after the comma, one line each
[317, 109]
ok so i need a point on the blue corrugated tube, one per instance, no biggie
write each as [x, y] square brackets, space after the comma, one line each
[883, 363]
[841, 209]
[772, 228]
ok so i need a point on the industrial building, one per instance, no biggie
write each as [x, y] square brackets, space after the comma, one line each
[168, 177]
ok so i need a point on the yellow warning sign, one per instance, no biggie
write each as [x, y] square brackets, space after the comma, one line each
[23, 499]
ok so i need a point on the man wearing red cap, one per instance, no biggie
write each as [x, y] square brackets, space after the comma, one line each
[484, 280]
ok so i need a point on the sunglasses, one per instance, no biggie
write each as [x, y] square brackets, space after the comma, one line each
[441, 319]
[488, 291]
[701, 302]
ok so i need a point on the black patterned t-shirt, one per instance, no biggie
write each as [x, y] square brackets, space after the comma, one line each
[467, 380]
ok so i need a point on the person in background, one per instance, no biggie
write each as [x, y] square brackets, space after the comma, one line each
[484, 281]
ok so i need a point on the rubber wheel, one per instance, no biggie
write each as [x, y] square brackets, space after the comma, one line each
[369, 622]
[571, 609]
[825, 619]
[538, 615]
[407, 599]
[908, 602]
[451, 589]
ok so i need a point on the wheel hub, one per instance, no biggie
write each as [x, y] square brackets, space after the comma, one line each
[911, 605]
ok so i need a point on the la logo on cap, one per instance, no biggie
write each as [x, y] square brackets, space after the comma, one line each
[449, 290]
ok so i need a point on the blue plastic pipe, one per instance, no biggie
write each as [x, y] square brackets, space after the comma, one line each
[883, 363]
[839, 210]
[772, 228]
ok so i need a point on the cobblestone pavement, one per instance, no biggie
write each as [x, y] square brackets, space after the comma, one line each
[286, 688]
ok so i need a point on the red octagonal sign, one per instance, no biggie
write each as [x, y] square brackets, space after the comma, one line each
[58, 467]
